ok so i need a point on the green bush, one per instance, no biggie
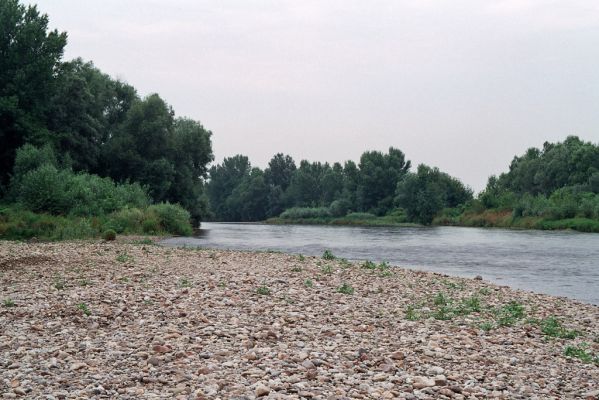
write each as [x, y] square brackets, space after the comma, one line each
[172, 218]
[44, 190]
[109, 235]
[127, 220]
[306, 212]
[339, 208]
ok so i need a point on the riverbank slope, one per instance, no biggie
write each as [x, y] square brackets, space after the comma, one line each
[135, 320]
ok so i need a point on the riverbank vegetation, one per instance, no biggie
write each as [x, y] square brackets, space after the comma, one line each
[82, 152]
[556, 187]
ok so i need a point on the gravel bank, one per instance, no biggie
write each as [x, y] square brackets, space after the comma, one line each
[132, 320]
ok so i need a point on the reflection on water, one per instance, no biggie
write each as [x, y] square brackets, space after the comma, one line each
[558, 263]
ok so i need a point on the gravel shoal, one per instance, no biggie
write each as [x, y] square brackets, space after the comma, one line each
[130, 320]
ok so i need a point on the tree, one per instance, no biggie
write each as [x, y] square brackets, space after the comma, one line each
[280, 170]
[29, 59]
[378, 177]
[427, 192]
[223, 179]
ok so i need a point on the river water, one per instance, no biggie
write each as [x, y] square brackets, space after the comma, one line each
[560, 263]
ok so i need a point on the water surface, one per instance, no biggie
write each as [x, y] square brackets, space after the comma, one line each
[560, 263]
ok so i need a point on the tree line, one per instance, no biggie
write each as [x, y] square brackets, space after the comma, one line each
[379, 184]
[91, 122]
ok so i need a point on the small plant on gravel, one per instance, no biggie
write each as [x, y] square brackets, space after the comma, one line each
[443, 313]
[510, 313]
[486, 326]
[472, 303]
[308, 283]
[59, 283]
[384, 269]
[551, 326]
[326, 269]
[263, 290]
[411, 313]
[301, 258]
[184, 282]
[345, 289]
[368, 265]
[8, 303]
[581, 353]
[328, 255]
[222, 284]
[485, 291]
[84, 308]
[109, 235]
[124, 257]
[296, 268]
[440, 299]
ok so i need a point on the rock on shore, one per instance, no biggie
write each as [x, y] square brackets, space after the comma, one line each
[135, 320]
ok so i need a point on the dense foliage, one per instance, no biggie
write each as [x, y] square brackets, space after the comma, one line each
[317, 191]
[89, 144]
[550, 188]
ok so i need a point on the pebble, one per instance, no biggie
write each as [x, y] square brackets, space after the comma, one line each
[217, 338]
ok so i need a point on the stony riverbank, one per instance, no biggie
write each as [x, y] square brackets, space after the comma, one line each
[135, 320]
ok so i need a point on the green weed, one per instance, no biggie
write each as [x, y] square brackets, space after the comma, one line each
[84, 308]
[328, 255]
[411, 313]
[345, 289]
[8, 303]
[581, 353]
[308, 283]
[552, 327]
[263, 290]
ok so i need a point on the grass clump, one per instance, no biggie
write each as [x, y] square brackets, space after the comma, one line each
[510, 313]
[184, 282]
[551, 326]
[84, 309]
[368, 265]
[411, 313]
[8, 303]
[263, 290]
[346, 288]
[308, 283]
[486, 326]
[328, 255]
[581, 352]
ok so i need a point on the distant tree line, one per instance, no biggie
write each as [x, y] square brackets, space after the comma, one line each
[91, 122]
[378, 185]
[559, 181]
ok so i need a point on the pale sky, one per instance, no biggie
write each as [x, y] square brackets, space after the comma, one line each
[461, 85]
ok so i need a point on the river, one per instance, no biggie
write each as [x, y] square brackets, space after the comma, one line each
[560, 263]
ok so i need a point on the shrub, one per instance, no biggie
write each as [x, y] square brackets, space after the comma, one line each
[306, 212]
[127, 220]
[172, 218]
[339, 208]
[109, 235]
[44, 190]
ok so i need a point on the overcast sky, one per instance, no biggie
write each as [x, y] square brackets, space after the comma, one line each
[462, 85]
